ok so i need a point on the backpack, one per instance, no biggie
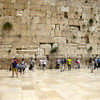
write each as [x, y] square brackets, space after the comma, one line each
[14, 64]
[99, 60]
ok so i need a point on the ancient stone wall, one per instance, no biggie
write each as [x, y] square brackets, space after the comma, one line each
[73, 25]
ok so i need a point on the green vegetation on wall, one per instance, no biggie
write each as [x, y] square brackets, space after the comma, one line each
[7, 26]
[19, 35]
[74, 37]
[86, 1]
[53, 50]
[90, 49]
[9, 51]
[91, 22]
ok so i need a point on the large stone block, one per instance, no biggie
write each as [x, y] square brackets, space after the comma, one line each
[22, 1]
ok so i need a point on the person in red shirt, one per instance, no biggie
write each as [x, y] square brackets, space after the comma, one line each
[17, 60]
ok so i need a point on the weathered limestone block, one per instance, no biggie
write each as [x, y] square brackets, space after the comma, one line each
[19, 6]
[40, 52]
[65, 9]
[37, 13]
[22, 1]
[8, 12]
[13, 12]
[1, 5]
[36, 19]
[48, 20]
[70, 22]
[73, 22]
[6, 5]
[7, 1]
[60, 40]
[13, 1]
[38, 2]
[42, 27]
[46, 47]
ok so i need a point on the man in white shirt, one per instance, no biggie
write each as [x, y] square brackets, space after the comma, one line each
[41, 63]
[31, 64]
[44, 64]
[58, 63]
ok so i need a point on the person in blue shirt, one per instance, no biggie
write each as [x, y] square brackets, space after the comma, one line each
[98, 63]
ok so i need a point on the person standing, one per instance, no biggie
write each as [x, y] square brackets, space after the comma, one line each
[14, 68]
[44, 64]
[92, 66]
[98, 63]
[26, 67]
[58, 63]
[18, 66]
[22, 66]
[65, 63]
[62, 64]
[41, 63]
[17, 60]
[69, 60]
[90, 61]
[95, 63]
[31, 64]
[78, 63]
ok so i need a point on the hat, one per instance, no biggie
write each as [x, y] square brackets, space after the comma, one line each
[14, 57]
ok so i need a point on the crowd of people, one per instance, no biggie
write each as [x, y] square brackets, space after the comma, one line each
[63, 64]
[94, 63]
[21, 67]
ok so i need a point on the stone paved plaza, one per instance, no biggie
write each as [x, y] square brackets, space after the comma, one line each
[51, 85]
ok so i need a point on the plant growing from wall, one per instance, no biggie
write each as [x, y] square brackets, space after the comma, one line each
[66, 41]
[7, 26]
[91, 22]
[76, 13]
[53, 50]
[91, 9]
[86, 1]
[83, 26]
[81, 17]
[74, 37]
[90, 49]
[78, 48]
[19, 35]
[94, 14]
[9, 51]
[88, 31]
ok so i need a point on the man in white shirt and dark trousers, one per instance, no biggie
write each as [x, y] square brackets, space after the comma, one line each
[41, 63]
[57, 63]
[31, 64]
[44, 64]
